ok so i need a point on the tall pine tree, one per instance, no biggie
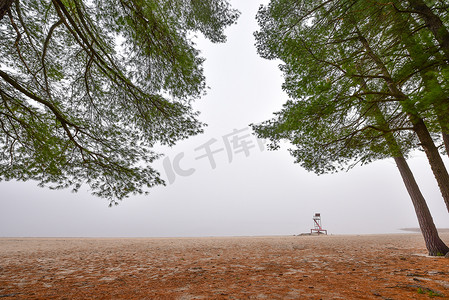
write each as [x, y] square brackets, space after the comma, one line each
[348, 75]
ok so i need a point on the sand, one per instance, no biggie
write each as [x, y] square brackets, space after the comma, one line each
[307, 267]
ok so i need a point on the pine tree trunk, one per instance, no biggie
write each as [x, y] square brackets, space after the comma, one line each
[443, 121]
[434, 244]
[435, 160]
[446, 142]
[4, 7]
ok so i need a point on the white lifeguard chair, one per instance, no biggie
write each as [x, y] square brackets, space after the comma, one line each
[317, 228]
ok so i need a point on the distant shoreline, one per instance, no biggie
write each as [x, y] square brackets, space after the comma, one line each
[404, 230]
[440, 230]
[218, 237]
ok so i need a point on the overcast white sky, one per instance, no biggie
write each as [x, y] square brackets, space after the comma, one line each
[253, 193]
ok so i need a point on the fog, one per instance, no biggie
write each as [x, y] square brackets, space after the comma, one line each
[257, 192]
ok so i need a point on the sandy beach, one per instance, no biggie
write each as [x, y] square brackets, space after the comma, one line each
[393, 266]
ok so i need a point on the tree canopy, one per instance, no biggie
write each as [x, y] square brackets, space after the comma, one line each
[341, 60]
[88, 88]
